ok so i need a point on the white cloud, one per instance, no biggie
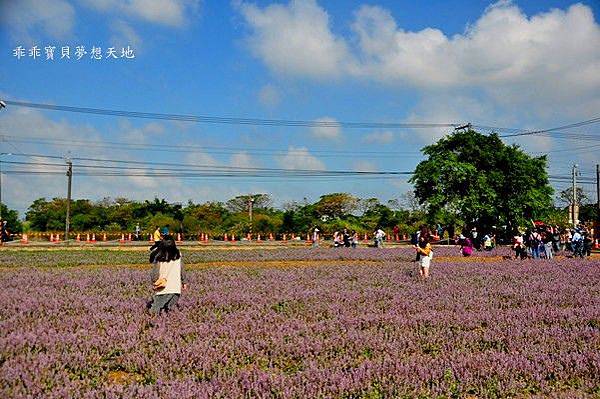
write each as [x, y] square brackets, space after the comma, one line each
[124, 35]
[331, 132]
[268, 95]
[531, 65]
[27, 20]
[295, 39]
[442, 107]
[200, 158]
[300, 158]
[365, 166]
[164, 12]
[146, 133]
[384, 137]
[242, 160]
[20, 190]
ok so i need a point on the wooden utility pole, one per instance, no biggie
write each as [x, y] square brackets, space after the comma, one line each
[250, 205]
[574, 196]
[69, 177]
[598, 190]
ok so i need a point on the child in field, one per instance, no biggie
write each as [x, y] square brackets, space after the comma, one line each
[466, 246]
[425, 252]
[167, 276]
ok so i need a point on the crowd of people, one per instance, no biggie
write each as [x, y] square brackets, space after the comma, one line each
[474, 241]
[542, 242]
[345, 238]
[539, 242]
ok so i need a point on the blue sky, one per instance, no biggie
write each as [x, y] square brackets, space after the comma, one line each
[525, 64]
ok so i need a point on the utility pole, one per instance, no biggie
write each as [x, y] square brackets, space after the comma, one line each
[463, 127]
[574, 213]
[69, 177]
[250, 203]
[598, 190]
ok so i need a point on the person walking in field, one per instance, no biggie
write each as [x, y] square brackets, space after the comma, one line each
[379, 236]
[156, 237]
[315, 237]
[354, 239]
[423, 248]
[167, 276]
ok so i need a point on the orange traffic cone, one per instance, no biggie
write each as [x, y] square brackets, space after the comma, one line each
[87, 237]
[57, 238]
[24, 239]
[129, 237]
[93, 237]
[104, 237]
[77, 238]
[122, 240]
[232, 237]
[179, 238]
[225, 237]
[258, 238]
[150, 240]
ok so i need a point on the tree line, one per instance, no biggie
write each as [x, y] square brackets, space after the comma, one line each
[331, 212]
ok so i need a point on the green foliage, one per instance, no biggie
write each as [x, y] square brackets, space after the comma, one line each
[12, 218]
[241, 203]
[336, 205]
[589, 213]
[332, 212]
[476, 179]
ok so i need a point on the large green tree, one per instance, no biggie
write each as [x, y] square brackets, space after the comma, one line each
[336, 205]
[482, 181]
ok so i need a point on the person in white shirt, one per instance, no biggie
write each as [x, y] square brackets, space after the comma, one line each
[577, 244]
[167, 276]
[315, 237]
[379, 235]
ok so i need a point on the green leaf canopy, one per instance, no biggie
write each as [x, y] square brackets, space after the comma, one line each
[481, 181]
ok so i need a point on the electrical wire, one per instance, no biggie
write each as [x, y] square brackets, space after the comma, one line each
[174, 148]
[229, 120]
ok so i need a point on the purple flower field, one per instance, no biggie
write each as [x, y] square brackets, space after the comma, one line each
[475, 329]
[78, 257]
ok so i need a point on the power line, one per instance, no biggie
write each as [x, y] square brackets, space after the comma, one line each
[200, 170]
[196, 166]
[230, 120]
[563, 127]
[194, 148]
